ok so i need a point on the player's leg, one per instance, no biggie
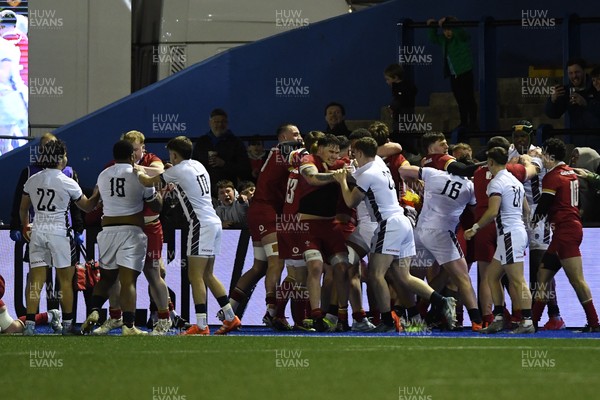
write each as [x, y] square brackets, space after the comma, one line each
[250, 278]
[574, 270]
[160, 295]
[274, 270]
[128, 278]
[115, 313]
[35, 283]
[545, 274]
[459, 274]
[401, 273]
[494, 273]
[522, 300]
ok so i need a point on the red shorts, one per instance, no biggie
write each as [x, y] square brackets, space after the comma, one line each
[154, 233]
[2, 286]
[566, 239]
[261, 219]
[323, 236]
[287, 244]
[484, 245]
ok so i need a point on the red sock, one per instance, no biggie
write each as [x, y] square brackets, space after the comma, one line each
[590, 313]
[376, 316]
[171, 306]
[537, 310]
[115, 313]
[517, 316]
[270, 299]
[316, 313]
[488, 318]
[359, 315]
[164, 314]
[40, 319]
[238, 295]
[282, 295]
[298, 310]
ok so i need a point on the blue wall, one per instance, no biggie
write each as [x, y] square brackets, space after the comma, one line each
[341, 59]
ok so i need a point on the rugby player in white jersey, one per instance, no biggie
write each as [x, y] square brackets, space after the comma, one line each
[50, 192]
[507, 205]
[392, 245]
[446, 197]
[191, 183]
[122, 242]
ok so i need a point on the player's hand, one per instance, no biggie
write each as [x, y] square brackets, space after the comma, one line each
[431, 22]
[340, 175]
[27, 233]
[469, 233]
[15, 235]
[78, 237]
[411, 214]
[226, 224]
[441, 21]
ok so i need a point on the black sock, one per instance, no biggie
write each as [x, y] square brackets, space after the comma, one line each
[400, 311]
[475, 315]
[436, 299]
[128, 318]
[412, 312]
[200, 308]
[498, 310]
[526, 313]
[223, 301]
[386, 318]
[553, 310]
[97, 302]
[333, 309]
[30, 317]
[67, 316]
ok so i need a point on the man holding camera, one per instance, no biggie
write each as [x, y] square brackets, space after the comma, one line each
[572, 99]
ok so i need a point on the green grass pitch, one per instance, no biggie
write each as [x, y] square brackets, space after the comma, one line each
[283, 367]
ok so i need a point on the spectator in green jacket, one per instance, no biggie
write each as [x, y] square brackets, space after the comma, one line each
[458, 65]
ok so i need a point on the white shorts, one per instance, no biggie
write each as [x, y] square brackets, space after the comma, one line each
[47, 249]
[437, 244]
[394, 236]
[540, 236]
[204, 241]
[510, 247]
[363, 234]
[122, 246]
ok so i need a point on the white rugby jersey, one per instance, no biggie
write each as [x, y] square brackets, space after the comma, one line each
[121, 192]
[375, 180]
[446, 196]
[510, 216]
[51, 192]
[533, 187]
[192, 185]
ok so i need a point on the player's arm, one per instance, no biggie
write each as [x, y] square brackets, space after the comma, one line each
[88, 204]
[351, 197]
[409, 171]
[24, 214]
[389, 149]
[155, 168]
[314, 177]
[146, 180]
[488, 216]
[461, 169]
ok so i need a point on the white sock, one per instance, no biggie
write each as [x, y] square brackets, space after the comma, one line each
[201, 320]
[271, 311]
[229, 314]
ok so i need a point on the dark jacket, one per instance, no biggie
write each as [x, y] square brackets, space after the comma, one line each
[231, 149]
[579, 117]
[339, 129]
